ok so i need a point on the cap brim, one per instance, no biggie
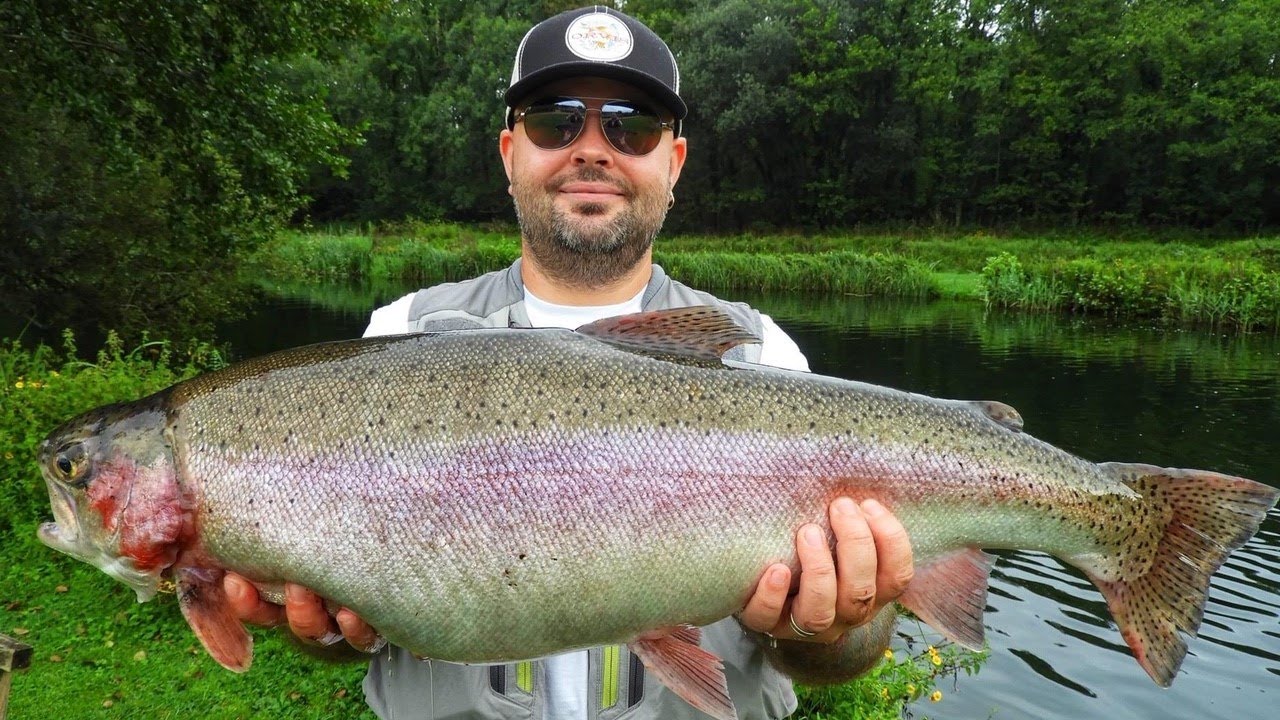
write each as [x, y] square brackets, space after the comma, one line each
[649, 84]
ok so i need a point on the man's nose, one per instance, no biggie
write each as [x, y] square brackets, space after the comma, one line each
[592, 147]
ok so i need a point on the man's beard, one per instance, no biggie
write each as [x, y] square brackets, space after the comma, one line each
[569, 248]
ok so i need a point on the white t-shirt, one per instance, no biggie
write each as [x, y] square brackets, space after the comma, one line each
[567, 691]
[777, 348]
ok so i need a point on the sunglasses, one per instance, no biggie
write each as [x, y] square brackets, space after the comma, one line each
[555, 122]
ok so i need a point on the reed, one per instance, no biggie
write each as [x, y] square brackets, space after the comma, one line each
[1241, 293]
[832, 272]
[1183, 279]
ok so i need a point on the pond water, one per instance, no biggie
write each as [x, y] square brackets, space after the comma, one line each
[1162, 395]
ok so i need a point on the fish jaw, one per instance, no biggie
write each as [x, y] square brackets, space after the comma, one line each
[144, 583]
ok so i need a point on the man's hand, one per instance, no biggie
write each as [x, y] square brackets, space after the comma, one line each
[305, 614]
[870, 568]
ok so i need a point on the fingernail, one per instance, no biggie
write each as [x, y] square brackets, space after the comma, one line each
[234, 588]
[813, 536]
[777, 578]
[295, 593]
[845, 506]
[873, 508]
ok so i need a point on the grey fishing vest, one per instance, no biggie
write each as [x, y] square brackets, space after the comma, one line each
[401, 687]
[497, 300]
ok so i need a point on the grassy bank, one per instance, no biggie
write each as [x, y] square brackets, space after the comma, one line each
[98, 653]
[1232, 284]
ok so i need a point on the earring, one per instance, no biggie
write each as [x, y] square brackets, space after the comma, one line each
[671, 199]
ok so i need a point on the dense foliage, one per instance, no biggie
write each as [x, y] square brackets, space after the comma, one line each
[829, 113]
[144, 145]
[145, 148]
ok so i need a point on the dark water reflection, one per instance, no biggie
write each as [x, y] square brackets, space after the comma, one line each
[1169, 396]
[1150, 394]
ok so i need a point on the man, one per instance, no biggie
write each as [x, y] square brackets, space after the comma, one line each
[592, 150]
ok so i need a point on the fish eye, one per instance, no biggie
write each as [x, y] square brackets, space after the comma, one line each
[72, 463]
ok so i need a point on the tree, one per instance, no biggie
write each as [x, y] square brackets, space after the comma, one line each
[146, 146]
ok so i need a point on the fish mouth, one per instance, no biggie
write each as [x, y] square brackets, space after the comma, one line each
[50, 534]
[63, 534]
[144, 584]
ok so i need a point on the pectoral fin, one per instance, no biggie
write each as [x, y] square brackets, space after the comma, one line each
[697, 676]
[208, 612]
[950, 594]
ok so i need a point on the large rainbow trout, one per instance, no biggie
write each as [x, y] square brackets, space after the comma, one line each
[497, 495]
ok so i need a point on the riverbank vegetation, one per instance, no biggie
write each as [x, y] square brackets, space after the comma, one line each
[100, 652]
[1222, 284]
[145, 152]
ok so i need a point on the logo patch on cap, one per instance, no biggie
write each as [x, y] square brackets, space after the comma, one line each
[598, 36]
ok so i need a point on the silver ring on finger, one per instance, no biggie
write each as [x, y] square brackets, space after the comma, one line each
[379, 642]
[328, 639]
[799, 631]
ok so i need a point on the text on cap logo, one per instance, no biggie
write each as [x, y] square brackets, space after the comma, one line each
[597, 36]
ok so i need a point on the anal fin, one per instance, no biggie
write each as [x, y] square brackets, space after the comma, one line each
[950, 594]
[697, 676]
[208, 612]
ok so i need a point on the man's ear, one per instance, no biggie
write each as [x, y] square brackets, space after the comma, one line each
[679, 149]
[506, 143]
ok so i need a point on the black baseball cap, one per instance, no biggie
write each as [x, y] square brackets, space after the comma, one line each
[596, 41]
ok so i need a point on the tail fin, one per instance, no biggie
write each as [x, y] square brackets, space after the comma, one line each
[1210, 515]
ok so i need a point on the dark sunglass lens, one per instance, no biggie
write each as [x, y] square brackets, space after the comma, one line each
[632, 130]
[553, 124]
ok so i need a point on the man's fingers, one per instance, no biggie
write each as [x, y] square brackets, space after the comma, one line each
[763, 612]
[245, 603]
[358, 633]
[856, 553]
[894, 561]
[307, 616]
[814, 606]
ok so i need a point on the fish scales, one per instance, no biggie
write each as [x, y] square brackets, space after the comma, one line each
[495, 495]
[563, 449]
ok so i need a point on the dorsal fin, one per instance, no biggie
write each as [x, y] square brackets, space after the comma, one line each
[702, 332]
[999, 412]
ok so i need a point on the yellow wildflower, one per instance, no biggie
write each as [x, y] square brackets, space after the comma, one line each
[884, 692]
[936, 696]
[911, 689]
[19, 384]
[888, 654]
[936, 660]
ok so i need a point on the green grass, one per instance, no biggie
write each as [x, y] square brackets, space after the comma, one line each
[1182, 278]
[908, 681]
[99, 653]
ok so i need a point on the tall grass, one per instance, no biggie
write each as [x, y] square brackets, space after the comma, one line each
[1241, 294]
[832, 272]
[1232, 285]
